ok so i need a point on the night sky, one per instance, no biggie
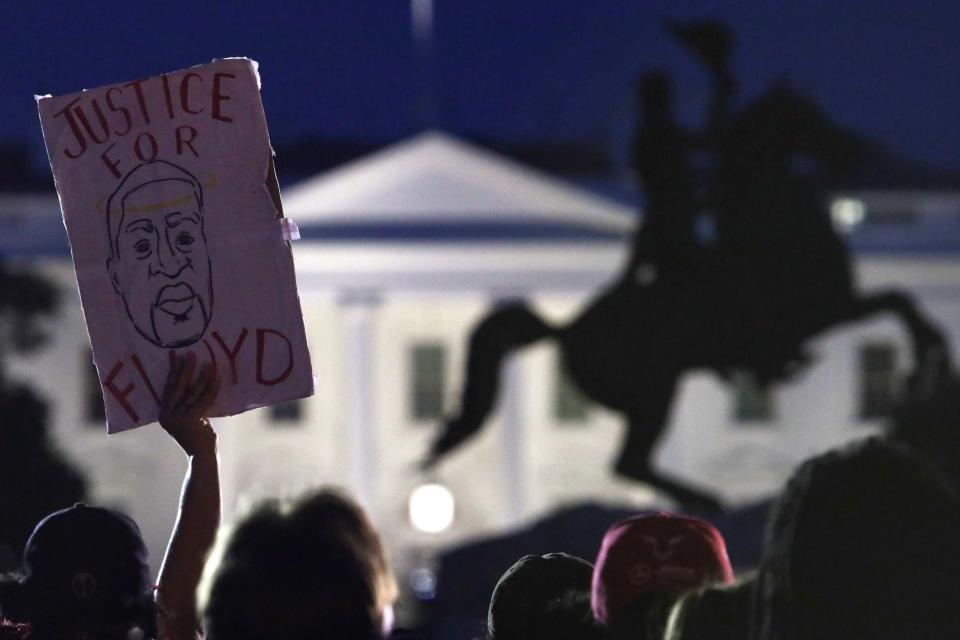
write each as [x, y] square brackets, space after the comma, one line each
[504, 69]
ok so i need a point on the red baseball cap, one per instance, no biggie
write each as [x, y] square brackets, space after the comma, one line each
[656, 553]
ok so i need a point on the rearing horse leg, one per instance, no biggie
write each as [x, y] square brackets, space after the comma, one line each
[646, 424]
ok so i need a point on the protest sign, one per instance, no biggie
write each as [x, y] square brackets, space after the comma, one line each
[172, 210]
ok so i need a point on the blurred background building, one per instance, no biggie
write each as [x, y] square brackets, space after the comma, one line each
[402, 250]
[410, 234]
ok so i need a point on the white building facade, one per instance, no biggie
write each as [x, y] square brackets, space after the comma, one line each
[402, 253]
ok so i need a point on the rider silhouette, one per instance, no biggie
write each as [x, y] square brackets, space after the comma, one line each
[678, 196]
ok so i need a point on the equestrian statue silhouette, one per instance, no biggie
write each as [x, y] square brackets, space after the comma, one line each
[735, 267]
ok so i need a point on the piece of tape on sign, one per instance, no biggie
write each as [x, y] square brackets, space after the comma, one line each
[290, 229]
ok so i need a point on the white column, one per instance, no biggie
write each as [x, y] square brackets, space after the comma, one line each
[515, 468]
[516, 472]
[359, 314]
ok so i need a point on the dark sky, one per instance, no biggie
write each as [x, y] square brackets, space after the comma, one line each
[507, 69]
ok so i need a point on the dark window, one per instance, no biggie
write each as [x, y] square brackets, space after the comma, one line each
[287, 413]
[93, 409]
[752, 402]
[878, 380]
[427, 376]
[570, 406]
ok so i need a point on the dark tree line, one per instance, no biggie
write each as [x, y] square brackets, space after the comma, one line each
[34, 477]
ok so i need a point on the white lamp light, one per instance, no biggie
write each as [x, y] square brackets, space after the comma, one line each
[847, 213]
[431, 508]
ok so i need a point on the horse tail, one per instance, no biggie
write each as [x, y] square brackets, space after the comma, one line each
[505, 329]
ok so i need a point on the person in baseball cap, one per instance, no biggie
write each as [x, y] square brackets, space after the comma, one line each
[87, 567]
[544, 596]
[646, 562]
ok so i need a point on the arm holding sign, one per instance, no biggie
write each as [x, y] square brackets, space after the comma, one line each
[183, 406]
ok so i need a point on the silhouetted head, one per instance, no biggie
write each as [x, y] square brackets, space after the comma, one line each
[718, 611]
[314, 568]
[543, 597]
[86, 572]
[862, 544]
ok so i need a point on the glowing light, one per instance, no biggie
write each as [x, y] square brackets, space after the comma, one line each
[431, 508]
[847, 213]
[424, 583]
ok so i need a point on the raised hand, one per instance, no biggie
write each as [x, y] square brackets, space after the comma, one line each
[185, 402]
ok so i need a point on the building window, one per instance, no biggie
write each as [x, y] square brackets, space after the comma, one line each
[878, 380]
[93, 409]
[427, 376]
[752, 402]
[286, 414]
[570, 406]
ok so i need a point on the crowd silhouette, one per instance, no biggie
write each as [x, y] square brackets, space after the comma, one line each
[735, 267]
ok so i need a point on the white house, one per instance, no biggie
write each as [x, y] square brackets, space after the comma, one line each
[401, 252]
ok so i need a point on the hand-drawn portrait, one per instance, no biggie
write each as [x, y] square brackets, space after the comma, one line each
[159, 263]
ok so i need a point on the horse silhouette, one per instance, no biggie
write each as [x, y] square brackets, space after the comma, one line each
[746, 296]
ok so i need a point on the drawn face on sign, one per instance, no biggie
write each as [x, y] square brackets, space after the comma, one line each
[160, 265]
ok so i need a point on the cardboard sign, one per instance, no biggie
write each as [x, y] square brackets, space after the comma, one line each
[173, 214]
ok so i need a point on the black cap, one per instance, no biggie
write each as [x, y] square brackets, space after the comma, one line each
[532, 589]
[84, 553]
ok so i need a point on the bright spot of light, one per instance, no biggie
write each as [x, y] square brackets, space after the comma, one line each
[847, 213]
[424, 583]
[431, 508]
